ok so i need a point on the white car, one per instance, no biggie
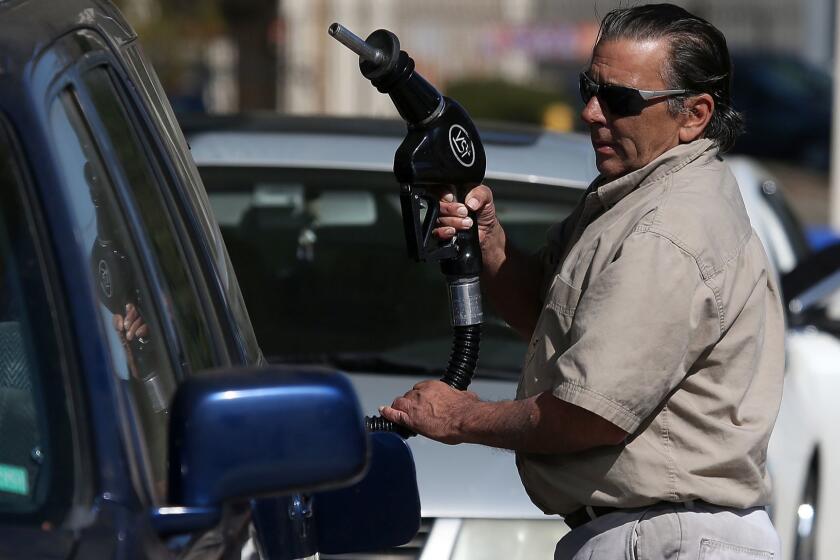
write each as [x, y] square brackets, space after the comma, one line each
[310, 212]
[804, 455]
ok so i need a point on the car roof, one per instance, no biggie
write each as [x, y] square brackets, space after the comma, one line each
[367, 144]
[27, 26]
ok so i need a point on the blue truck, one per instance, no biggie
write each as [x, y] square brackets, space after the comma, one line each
[138, 418]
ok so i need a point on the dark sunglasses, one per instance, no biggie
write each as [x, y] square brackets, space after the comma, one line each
[621, 101]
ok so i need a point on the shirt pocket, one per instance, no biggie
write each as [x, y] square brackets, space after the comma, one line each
[550, 338]
[718, 550]
[563, 298]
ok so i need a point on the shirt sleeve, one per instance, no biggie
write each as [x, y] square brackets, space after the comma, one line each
[638, 329]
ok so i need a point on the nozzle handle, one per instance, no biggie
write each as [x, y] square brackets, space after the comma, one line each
[357, 44]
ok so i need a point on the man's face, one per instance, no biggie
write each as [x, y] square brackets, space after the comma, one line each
[625, 143]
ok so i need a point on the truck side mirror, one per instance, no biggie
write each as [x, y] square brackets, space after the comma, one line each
[248, 432]
[380, 511]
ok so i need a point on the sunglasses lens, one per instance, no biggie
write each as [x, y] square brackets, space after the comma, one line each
[619, 101]
[587, 88]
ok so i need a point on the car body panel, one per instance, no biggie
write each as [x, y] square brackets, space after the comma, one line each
[804, 433]
[572, 165]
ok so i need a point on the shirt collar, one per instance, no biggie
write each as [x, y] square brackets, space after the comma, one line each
[610, 192]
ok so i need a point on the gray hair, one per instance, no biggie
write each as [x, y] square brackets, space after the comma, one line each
[698, 60]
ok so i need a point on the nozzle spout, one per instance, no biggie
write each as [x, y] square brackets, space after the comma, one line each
[357, 44]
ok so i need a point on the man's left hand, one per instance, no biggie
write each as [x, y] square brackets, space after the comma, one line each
[433, 409]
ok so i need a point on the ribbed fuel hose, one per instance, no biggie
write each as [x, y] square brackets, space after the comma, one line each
[464, 357]
[459, 373]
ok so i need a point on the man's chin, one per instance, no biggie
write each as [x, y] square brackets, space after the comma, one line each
[610, 167]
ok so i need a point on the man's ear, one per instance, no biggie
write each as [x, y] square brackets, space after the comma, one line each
[695, 116]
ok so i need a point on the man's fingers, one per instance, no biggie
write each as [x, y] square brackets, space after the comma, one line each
[476, 200]
[131, 328]
[402, 403]
[457, 223]
[394, 415]
[478, 197]
[442, 192]
[444, 233]
[130, 316]
[453, 209]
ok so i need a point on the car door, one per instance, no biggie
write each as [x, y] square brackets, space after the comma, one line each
[44, 461]
[136, 255]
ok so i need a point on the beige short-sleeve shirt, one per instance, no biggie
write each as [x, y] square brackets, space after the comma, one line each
[662, 316]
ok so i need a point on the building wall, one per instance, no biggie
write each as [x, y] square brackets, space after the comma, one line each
[761, 23]
[512, 39]
[448, 40]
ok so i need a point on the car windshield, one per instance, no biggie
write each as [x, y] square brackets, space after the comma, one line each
[321, 260]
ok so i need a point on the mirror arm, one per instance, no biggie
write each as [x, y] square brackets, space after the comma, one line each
[285, 527]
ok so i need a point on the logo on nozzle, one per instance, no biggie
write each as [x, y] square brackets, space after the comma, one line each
[461, 144]
[105, 279]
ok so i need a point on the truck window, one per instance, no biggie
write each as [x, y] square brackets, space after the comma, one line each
[129, 316]
[145, 180]
[37, 464]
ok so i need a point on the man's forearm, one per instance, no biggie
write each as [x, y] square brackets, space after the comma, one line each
[511, 280]
[541, 424]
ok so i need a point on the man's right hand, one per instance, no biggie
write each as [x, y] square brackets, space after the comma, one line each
[131, 325]
[510, 278]
[454, 215]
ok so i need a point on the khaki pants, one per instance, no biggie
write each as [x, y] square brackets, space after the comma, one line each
[696, 531]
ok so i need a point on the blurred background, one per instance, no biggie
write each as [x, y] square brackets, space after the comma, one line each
[504, 60]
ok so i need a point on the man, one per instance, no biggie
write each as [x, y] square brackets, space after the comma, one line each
[654, 371]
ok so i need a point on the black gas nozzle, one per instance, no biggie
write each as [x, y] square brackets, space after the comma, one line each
[358, 45]
[392, 71]
[442, 150]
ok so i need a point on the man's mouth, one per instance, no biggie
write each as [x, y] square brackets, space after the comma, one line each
[602, 147]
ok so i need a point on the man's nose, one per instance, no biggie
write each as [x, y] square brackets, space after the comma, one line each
[592, 113]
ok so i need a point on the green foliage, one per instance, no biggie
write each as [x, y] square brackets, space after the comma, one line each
[494, 99]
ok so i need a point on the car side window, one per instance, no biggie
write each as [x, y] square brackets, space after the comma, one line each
[144, 177]
[127, 312]
[37, 465]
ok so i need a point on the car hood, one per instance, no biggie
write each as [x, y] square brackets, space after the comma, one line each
[458, 481]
